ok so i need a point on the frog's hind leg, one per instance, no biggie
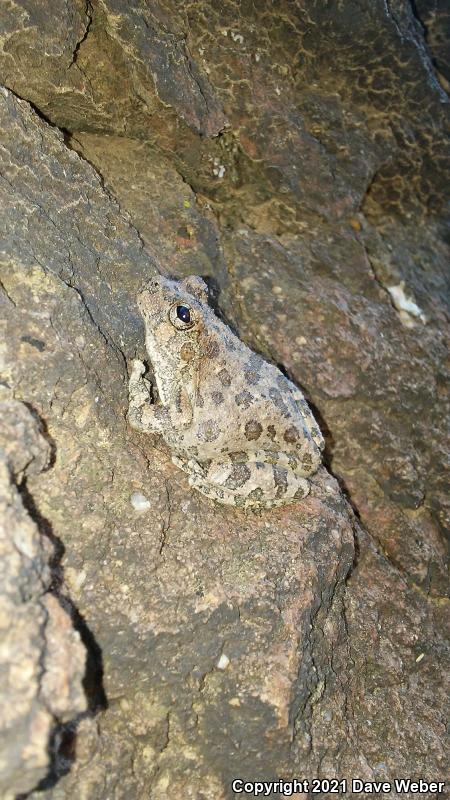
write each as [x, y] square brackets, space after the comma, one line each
[250, 484]
[299, 463]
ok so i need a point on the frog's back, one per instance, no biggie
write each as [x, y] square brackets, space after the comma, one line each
[244, 403]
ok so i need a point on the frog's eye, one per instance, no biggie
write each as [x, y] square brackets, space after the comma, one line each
[184, 313]
[181, 317]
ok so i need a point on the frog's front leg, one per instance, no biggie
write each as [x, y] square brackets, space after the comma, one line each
[256, 484]
[148, 417]
[143, 415]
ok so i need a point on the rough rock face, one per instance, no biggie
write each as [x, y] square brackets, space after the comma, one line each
[296, 156]
[42, 659]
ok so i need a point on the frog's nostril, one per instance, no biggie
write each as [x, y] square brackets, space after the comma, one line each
[153, 286]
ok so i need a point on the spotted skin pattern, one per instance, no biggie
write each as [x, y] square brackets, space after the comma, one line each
[235, 424]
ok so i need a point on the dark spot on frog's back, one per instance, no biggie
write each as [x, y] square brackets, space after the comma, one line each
[208, 431]
[239, 475]
[217, 398]
[256, 494]
[212, 349]
[224, 377]
[271, 432]
[278, 401]
[290, 435]
[240, 455]
[280, 480]
[253, 430]
[244, 399]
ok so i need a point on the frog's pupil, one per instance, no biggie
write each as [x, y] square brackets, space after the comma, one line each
[183, 313]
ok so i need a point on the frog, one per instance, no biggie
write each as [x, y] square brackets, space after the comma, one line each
[240, 428]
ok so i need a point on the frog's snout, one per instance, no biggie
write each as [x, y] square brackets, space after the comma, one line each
[142, 300]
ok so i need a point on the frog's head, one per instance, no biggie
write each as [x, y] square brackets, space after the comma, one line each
[174, 315]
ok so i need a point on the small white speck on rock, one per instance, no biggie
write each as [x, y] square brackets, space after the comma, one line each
[223, 662]
[139, 502]
[218, 169]
[419, 658]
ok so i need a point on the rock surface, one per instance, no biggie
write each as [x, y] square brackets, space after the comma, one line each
[296, 157]
[42, 659]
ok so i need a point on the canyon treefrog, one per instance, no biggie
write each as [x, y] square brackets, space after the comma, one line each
[240, 429]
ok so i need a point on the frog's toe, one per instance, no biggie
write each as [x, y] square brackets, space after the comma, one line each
[189, 465]
[195, 468]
